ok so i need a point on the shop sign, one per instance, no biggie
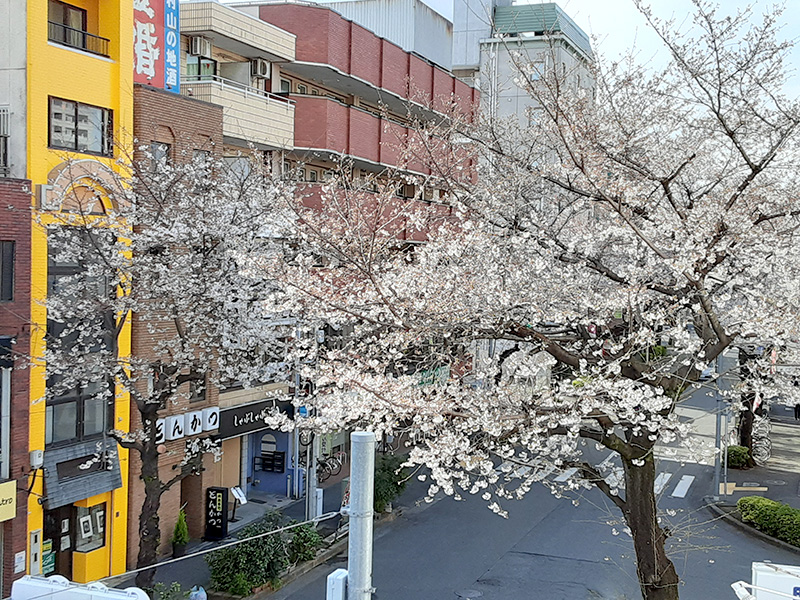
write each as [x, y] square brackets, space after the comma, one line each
[216, 513]
[174, 427]
[48, 557]
[156, 43]
[8, 500]
[194, 422]
[210, 418]
[247, 418]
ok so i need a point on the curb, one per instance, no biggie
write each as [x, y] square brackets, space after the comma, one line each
[715, 508]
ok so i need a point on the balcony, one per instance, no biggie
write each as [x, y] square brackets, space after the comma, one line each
[249, 115]
[324, 124]
[75, 38]
[236, 31]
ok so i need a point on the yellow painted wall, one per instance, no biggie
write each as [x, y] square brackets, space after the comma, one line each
[54, 70]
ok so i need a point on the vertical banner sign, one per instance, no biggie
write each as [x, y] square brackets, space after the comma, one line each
[216, 513]
[156, 43]
[172, 48]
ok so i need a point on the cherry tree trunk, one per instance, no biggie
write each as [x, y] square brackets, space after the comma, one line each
[149, 521]
[656, 573]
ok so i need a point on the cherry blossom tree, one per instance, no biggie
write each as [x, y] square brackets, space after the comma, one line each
[160, 258]
[567, 290]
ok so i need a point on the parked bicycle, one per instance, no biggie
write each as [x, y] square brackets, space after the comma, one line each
[762, 444]
[327, 466]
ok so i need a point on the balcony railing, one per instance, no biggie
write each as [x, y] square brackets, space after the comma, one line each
[231, 84]
[75, 38]
[247, 113]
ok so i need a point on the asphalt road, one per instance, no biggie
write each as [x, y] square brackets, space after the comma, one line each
[551, 548]
[547, 548]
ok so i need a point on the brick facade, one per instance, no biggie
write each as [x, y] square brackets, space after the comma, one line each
[325, 37]
[15, 317]
[187, 125]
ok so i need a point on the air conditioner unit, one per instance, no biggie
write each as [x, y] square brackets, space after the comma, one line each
[200, 46]
[259, 68]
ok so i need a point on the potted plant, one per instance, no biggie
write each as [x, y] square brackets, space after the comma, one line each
[180, 536]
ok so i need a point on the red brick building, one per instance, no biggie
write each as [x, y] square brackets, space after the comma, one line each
[15, 319]
[175, 128]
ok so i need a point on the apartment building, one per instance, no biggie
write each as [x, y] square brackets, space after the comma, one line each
[65, 93]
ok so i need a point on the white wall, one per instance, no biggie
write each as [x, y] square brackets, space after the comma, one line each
[13, 81]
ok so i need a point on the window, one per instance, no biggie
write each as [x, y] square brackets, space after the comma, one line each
[76, 411]
[80, 127]
[197, 387]
[286, 86]
[301, 89]
[312, 175]
[536, 70]
[314, 92]
[199, 67]
[5, 115]
[65, 14]
[67, 26]
[159, 155]
[90, 528]
[6, 271]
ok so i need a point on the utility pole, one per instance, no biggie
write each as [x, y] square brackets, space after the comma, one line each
[355, 583]
[717, 435]
[362, 493]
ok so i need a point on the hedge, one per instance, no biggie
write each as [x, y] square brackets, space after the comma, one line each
[390, 479]
[773, 518]
[738, 457]
[240, 569]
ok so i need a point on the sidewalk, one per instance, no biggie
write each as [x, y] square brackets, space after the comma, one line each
[194, 570]
[779, 479]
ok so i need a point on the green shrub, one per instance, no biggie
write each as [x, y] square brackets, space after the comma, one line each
[773, 518]
[304, 543]
[173, 591]
[180, 535]
[390, 480]
[738, 457]
[238, 569]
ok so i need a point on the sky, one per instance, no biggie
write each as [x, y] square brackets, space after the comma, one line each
[618, 25]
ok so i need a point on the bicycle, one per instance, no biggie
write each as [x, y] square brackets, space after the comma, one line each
[327, 466]
[762, 445]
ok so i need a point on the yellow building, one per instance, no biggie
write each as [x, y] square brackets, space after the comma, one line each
[66, 81]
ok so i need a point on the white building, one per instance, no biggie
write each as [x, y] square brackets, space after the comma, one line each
[492, 38]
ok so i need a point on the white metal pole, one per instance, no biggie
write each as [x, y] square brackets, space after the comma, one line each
[359, 554]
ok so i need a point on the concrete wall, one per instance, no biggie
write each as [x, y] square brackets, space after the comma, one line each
[13, 80]
[500, 66]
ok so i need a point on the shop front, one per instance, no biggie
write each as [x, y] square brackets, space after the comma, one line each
[79, 483]
[264, 455]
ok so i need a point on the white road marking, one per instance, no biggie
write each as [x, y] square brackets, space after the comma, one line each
[683, 486]
[566, 475]
[661, 482]
[607, 462]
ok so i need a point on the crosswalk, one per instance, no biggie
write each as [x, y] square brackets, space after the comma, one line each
[666, 480]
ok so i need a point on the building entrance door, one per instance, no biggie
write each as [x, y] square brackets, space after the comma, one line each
[58, 541]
